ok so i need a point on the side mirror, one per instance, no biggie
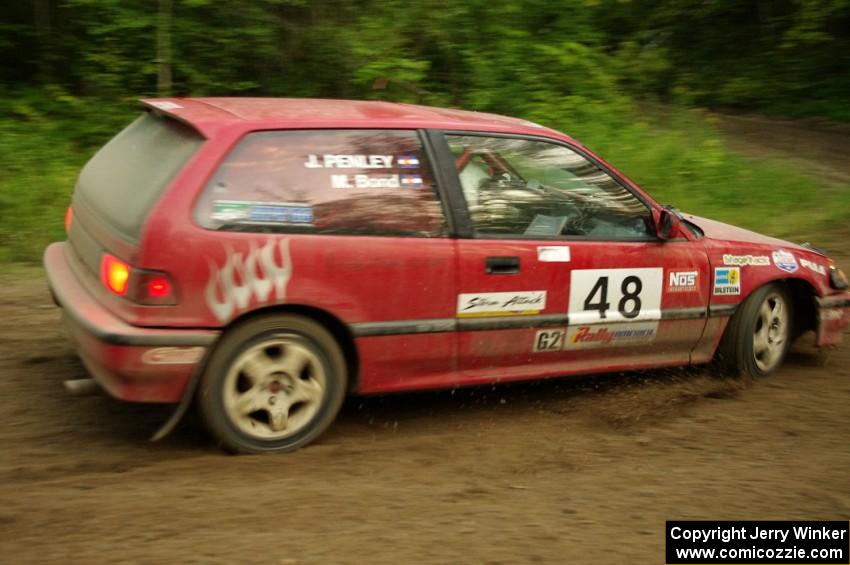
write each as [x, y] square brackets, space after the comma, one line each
[667, 225]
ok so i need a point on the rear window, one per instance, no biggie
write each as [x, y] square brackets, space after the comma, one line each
[127, 176]
[370, 182]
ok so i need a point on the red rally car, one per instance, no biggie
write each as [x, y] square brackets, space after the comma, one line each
[267, 257]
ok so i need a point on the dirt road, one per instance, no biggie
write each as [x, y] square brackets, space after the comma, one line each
[563, 471]
[568, 471]
[820, 149]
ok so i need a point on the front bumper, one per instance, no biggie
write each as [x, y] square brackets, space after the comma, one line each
[130, 362]
[833, 315]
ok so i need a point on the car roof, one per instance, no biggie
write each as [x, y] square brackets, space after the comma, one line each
[209, 114]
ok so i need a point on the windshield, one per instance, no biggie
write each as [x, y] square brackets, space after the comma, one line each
[123, 181]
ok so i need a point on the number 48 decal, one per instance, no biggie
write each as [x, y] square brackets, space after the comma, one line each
[615, 295]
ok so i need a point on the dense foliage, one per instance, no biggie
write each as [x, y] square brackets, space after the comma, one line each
[791, 56]
[72, 69]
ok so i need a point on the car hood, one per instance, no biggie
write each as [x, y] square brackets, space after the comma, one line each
[724, 232]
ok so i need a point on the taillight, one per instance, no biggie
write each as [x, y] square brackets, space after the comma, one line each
[138, 285]
[115, 274]
[69, 215]
[154, 288]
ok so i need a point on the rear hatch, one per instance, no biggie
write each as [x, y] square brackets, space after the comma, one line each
[118, 188]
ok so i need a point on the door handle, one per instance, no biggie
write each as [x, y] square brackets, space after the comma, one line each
[502, 265]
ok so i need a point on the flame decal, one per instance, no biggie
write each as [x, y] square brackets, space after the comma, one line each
[231, 287]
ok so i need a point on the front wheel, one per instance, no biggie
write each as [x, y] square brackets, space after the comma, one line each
[759, 334]
[274, 383]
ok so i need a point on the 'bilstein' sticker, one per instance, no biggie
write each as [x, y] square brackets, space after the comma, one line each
[727, 281]
[501, 303]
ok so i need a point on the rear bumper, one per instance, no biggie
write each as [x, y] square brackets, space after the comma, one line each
[833, 315]
[130, 362]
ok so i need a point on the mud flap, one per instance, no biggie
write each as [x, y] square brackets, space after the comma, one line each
[188, 395]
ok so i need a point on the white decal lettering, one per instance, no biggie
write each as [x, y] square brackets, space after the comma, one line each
[312, 162]
[340, 181]
[349, 162]
[812, 266]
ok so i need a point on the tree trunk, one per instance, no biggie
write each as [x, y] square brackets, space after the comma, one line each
[43, 33]
[163, 48]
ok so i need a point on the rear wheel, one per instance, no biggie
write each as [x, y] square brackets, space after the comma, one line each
[274, 383]
[758, 335]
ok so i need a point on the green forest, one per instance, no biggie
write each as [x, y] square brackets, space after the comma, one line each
[632, 79]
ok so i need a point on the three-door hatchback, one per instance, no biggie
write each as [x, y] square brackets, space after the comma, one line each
[267, 257]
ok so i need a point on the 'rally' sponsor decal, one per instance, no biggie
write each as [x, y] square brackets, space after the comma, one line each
[785, 261]
[744, 260]
[585, 337]
[727, 281]
[501, 303]
[610, 335]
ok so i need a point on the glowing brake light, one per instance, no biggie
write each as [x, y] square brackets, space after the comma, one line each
[69, 216]
[151, 288]
[158, 287]
[115, 274]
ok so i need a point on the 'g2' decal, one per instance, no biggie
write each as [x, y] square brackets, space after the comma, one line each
[615, 295]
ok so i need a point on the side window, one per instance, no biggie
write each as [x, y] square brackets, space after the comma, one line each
[531, 188]
[371, 182]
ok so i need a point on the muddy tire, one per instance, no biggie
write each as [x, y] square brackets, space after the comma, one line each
[759, 333]
[273, 384]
